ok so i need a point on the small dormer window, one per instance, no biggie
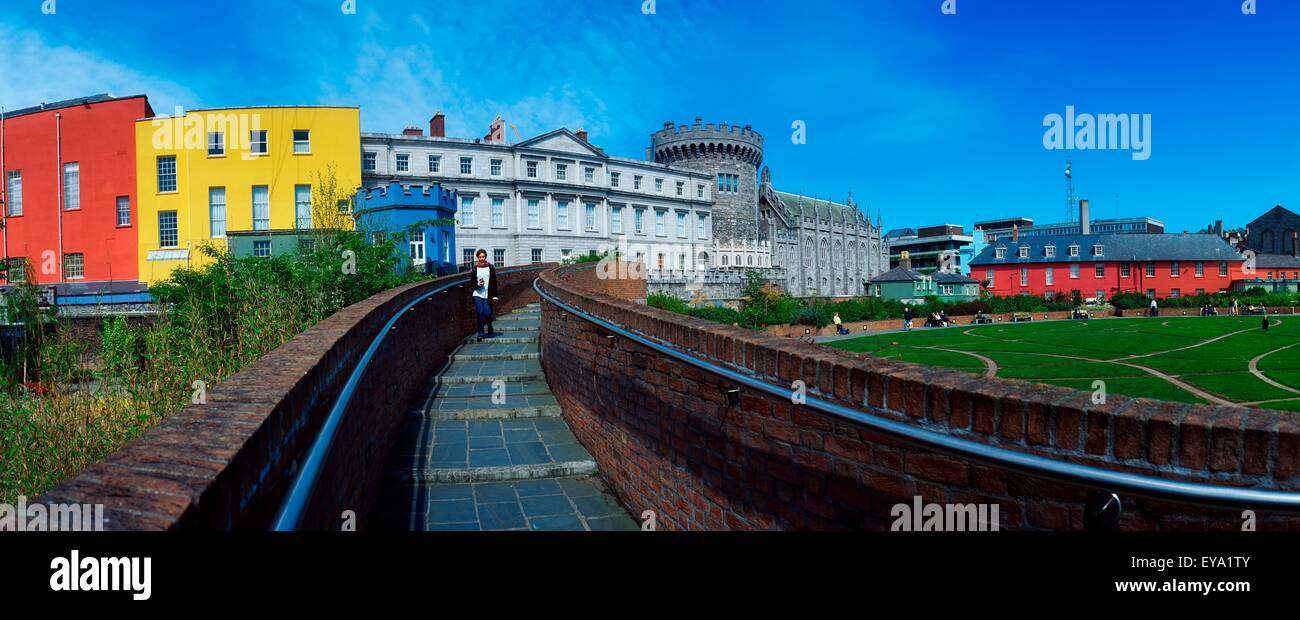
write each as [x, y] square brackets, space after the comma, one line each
[1096, 250]
[1000, 252]
[1074, 250]
[1024, 251]
[1049, 251]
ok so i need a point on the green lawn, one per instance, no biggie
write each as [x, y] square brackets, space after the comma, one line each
[1211, 354]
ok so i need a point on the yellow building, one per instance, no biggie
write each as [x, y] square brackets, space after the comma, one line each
[209, 172]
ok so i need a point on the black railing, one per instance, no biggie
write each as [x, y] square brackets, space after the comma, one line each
[1096, 478]
[304, 484]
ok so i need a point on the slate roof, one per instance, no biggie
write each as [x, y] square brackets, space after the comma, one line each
[943, 277]
[903, 274]
[1161, 247]
[66, 103]
[898, 274]
[818, 208]
[1276, 261]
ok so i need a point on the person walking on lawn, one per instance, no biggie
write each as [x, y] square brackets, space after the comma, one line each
[485, 292]
[907, 319]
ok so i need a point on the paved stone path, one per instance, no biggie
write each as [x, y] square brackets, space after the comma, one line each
[488, 450]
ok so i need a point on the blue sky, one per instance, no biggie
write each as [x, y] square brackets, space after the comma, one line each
[925, 117]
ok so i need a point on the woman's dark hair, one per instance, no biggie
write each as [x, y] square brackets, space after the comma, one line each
[481, 251]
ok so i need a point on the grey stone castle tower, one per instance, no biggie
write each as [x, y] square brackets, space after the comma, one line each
[732, 155]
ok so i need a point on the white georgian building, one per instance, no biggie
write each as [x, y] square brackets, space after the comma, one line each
[552, 197]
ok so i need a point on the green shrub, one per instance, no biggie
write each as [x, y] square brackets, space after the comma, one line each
[814, 315]
[718, 314]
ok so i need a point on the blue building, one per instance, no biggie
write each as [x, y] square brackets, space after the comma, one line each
[426, 214]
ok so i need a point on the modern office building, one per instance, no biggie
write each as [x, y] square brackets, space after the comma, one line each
[204, 173]
[69, 196]
[930, 248]
[1025, 227]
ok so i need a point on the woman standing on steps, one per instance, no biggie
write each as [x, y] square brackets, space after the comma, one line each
[485, 292]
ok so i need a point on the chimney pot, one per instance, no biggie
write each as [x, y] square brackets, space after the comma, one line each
[582, 135]
[438, 126]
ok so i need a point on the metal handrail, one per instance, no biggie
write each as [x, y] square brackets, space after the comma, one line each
[1150, 487]
[295, 501]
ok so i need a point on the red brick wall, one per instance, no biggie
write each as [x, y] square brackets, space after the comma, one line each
[621, 279]
[667, 438]
[227, 464]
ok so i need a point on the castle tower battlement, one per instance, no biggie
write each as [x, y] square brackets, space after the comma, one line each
[732, 155]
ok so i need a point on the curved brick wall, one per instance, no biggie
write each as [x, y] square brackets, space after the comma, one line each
[226, 464]
[667, 439]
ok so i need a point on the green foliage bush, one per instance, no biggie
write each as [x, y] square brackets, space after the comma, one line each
[214, 320]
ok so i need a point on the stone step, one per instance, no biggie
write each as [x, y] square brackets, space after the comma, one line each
[515, 337]
[513, 389]
[490, 371]
[522, 314]
[519, 325]
[579, 503]
[492, 350]
[444, 451]
[482, 408]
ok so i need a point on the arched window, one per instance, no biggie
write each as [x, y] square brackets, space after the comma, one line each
[750, 260]
[703, 260]
[724, 260]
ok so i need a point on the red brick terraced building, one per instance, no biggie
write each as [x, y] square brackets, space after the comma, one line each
[69, 193]
[1099, 266]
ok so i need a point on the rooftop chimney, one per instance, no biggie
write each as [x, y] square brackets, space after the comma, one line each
[1085, 227]
[496, 132]
[582, 134]
[905, 259]
[438, 126]
[413, 131]
[1295, 240]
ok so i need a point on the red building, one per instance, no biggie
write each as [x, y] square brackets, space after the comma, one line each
[1099, 266]
[69, 193]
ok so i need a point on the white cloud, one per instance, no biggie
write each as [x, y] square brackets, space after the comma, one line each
[34, 71]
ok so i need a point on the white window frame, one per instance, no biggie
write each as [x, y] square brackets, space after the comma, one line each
[213, 205]
[467, 216]
[498, 213]
[534, 213]
[14, 192]
[118, 202]
[162, 175]
[301, 208]
[257, 142]
[216, 144]
[302, 145]
[261, 223]
[72, 186]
